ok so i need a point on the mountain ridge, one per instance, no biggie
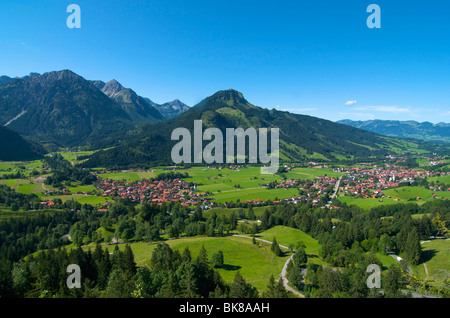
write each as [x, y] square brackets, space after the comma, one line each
[302, 137]
[136, 106]
[427, 131]
[61, 108]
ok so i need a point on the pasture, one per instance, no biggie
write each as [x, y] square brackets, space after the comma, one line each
[255, 262]
[435, 260]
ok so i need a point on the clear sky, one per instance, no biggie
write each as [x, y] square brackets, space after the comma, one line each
[310, 57]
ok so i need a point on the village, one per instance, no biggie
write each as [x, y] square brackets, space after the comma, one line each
[365, 181]
[359, 182]
[157, 192]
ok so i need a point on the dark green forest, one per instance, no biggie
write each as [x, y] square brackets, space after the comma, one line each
[15, 148]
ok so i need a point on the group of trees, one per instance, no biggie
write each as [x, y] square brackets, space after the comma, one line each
[171, 218]
[63, 171]
[175, 274]
[45, 275]
[15, 200]
[350, 237]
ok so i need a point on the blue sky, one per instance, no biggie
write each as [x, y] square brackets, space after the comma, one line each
[310, 57]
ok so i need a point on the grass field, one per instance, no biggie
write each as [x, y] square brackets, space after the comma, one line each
[255, 262]
[312, 173]
[436, 258]
[254, 194]
[442, 180]
[386, 260]
[404, 194]
[366, 204]
[289, 236]
[214, 180]
[131, 176]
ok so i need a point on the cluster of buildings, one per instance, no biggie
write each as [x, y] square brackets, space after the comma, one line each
[360, 180]
[159, 192]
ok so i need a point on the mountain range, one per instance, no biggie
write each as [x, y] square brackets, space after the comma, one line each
[63, 109]
[404, 129]
[301, 137]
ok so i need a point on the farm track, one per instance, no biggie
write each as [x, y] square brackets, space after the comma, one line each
[284, 270]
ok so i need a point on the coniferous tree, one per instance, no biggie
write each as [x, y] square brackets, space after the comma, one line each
[241, 289]
[413, 250]
[276, 248]
[391, 282]
[217, 259]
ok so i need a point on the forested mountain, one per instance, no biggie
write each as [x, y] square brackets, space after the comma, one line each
[61, 108]
[64, 109]
[14, 148]
[404, 129]
[301, 137]
[137, 107]
[4, 80]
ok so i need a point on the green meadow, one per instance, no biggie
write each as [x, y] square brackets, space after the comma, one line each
[435, 258]
[130, 176]
[289, 236]
[440, 180]
[404, 194]
[255, 262]
[254, 194]
[364, 203]
[214, 180]
[312, 173]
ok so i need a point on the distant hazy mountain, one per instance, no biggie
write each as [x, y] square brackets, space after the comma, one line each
[139, 109]
[14, 148]
[60, 108]
[404, 129]
[172, 109]
[301, 137]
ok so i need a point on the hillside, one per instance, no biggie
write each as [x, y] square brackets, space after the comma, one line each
[301, 137]
[4, 80]
[404, 129]
[14, 148]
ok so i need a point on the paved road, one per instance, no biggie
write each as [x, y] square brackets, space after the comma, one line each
[336, 189]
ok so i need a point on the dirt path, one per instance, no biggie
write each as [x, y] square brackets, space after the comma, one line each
[426, 269]
[284, 270]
